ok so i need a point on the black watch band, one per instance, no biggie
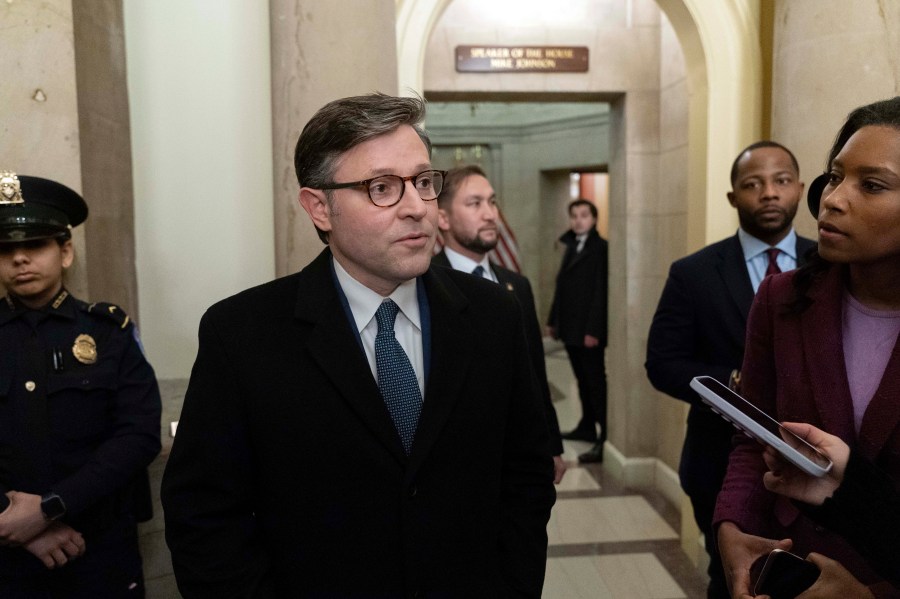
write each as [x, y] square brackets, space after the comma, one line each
[52, 505]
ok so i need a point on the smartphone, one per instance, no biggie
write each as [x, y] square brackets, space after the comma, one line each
[759, 425]
[785, 575]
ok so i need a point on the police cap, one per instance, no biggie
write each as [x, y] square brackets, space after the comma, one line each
[36, 208]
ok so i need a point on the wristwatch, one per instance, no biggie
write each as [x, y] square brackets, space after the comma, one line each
[52, 505]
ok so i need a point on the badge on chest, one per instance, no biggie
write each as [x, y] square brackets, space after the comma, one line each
[85, 349]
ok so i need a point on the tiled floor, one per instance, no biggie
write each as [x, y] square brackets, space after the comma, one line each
[606, 541]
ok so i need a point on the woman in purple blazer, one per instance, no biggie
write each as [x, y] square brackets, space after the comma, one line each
[822, 348]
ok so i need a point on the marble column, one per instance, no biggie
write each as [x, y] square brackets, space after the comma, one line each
[105, 138]
[321, 51]
[830, 56]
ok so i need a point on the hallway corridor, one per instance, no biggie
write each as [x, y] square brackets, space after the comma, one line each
[608, 541]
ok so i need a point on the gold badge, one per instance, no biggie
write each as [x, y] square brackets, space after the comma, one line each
[85, 349]
[10, 190]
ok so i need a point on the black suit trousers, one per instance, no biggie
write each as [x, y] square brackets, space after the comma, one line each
[590, 370]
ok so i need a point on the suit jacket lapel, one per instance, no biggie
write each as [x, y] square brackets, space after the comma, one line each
[450, 357]
[504, 280]
[823, 347]
[733, 270]
[332, 344]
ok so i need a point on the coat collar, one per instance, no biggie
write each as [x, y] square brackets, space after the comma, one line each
[332, 344]
[823, 346]
[823, 340]
[733, 270]
[570, 240]
[63, 305]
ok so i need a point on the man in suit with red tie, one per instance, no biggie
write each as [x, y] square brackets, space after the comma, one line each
[467, 218]
[701, 320]
[354, 430]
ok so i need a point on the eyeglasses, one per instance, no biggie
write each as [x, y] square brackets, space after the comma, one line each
[387, 190]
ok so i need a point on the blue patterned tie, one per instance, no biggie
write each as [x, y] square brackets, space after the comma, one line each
[478, 271]
[396, 377]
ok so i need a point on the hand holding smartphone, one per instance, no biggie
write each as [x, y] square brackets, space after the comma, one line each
[785, 575]
[759, 425]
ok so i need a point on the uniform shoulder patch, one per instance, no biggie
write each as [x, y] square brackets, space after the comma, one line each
[111, 311]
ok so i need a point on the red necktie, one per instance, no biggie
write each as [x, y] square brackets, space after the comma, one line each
[773, 269]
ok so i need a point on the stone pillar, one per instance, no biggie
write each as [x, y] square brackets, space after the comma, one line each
[39, 114]
[105, 136]
[829, 57]
[321, 51]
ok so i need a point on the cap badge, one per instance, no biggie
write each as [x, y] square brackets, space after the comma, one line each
[85, 349]
[10, 190]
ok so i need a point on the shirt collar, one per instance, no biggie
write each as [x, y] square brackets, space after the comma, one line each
[464, 263]
[753, 247]
[364, 302]
[62, 305]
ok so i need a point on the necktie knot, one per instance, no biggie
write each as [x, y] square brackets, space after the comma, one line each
[386, 315]
[478, 271]
[773, 268]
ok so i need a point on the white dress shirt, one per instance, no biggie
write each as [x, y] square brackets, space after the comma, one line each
[757, 259]
[465, 264]
[407, 327]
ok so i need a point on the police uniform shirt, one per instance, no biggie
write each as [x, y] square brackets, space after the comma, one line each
[79, 407]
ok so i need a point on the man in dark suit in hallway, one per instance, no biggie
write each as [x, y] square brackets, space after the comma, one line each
[369, 426]
[701, 320]
[578, 318]
[467, 218]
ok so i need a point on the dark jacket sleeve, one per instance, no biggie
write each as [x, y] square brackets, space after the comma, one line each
[527, 488]
[672, 344]
[865, 510]
[135, 440]
[536, 348]
[207, 488]
[597, 310]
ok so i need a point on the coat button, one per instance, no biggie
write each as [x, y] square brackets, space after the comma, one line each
[413, 491]
[30, 386]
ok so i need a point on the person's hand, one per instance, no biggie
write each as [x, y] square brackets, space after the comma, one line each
[835, 582]
[559, 468]
[739, 550]
[591, 341]
[551, 332]
[57, 545]
[788, 480]
[22, 520]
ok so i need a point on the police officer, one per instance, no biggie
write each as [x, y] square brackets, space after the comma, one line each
[79, 413]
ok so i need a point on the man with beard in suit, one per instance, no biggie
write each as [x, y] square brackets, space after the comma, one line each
[467, 218]
[701, 320]
[369, 426]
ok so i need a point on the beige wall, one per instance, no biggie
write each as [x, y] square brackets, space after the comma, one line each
[321, 51]
[38, 103]
[670, 219]
[830, 57]
[198, 76]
